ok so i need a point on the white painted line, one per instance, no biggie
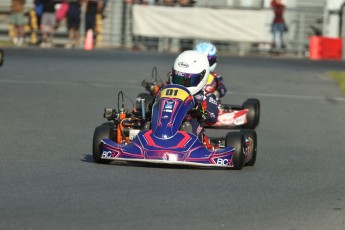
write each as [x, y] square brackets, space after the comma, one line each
[135, 86]
[307, 97]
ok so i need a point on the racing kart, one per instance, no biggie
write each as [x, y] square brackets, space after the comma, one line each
[132, 136]
[230, 116]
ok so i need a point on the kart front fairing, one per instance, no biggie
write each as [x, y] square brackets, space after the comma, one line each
[164, 142]
[173, 103]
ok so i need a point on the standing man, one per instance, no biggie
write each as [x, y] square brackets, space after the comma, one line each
[17, 19]
[48, 22]
[278, 25]
[73, 23]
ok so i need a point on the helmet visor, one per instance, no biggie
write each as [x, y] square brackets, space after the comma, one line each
[212, 60]
[187, 79]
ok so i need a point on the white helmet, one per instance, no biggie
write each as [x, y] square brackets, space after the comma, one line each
[210, 51]
[191, 69]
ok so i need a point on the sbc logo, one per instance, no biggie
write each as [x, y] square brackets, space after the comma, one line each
[106, 154]
[221, 161]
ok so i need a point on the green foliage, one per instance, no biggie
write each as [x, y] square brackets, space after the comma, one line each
[339, 77]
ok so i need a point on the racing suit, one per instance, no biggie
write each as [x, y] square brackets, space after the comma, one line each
[205, 110]
[215, 83]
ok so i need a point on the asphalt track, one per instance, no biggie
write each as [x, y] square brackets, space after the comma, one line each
[51, 101]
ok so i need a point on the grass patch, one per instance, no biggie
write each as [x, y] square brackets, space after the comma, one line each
[339, 77]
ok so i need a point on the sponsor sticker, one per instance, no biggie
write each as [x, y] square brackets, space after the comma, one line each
[183, 64]
[221, 161]
[174, 93]
[106, 154]
[212, 101]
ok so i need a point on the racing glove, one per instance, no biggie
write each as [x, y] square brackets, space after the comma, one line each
[199, 112]
[221, 86]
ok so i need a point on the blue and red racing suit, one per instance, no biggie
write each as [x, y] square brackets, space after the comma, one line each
[215, 83]
[205, 110]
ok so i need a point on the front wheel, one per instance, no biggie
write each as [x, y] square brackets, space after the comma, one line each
[251, 144]
[237, 141]
[104, 131]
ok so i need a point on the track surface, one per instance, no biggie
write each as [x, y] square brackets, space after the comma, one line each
[51, 101]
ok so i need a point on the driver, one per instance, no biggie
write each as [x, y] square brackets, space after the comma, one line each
[191, 69]
[215, 83]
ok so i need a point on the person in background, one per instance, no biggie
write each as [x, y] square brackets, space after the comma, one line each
[48, 22]
[17, 19]
[278, 25]
[39, 11]
[73, 24]
[215, 83]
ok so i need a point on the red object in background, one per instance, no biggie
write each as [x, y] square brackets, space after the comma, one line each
[324, 48]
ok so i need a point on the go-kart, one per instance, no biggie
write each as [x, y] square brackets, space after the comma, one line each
[131, 136]
[245, 116]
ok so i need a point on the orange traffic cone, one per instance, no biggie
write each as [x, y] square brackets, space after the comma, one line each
[88, 43]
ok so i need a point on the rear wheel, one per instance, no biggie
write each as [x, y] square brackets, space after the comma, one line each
[254, 100]
[251, 135]
[237, 141]
[253, 115]
[104, 131]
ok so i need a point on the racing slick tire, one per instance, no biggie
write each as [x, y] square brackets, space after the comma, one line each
[254, 100]
[250, 133]
[148, 100]
[1, 57]
[104, 131]
[236, 140]
[253, 114]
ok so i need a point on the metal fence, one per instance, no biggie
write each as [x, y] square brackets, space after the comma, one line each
[300, 21]
[116, 28]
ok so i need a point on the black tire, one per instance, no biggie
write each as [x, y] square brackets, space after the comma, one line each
[104, 131]
[252, 115]
[236, 140]
[2, 57]
[254, 100]
[148, 100]
[250, 133]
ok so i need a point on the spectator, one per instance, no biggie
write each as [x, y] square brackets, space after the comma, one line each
[18, 21]
[93, 7]
[39, 11]
[48, 22]
[73, 23]
[278, 25]
[61, 12]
